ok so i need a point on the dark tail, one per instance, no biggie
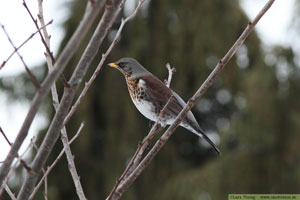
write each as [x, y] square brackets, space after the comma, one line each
[194, 127]
[201, 133]
[210, 142]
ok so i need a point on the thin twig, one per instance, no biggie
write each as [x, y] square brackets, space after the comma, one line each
[46, 186]
[13, 169]
[163, 139]
[30, 74]
[23, 43]
[171, 72]
[55, 162]
[67, 53]
[22, 162]
[5, 137]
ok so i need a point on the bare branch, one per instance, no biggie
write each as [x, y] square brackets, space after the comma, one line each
[22, 162]
[46, 187]
[23, 43]
[171, 72]
[161, 142]
[31, 76]
[5, 137]
[13, 169]
[9, 192]
[71, 165]
[55, 162]
[67, 53]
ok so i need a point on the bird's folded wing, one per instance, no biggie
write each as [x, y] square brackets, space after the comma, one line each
[160, 94]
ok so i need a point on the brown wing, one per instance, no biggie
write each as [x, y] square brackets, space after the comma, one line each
[160, 94]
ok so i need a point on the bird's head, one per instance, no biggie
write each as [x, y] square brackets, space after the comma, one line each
[129, 67]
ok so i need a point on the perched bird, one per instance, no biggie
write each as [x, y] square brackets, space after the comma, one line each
[149, 95]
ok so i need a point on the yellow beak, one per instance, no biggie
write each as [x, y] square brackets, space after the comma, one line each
[113, 65]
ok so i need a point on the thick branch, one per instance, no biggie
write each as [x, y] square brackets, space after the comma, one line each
[161, 142]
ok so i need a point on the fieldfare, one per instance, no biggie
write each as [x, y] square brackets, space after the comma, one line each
[149, 95]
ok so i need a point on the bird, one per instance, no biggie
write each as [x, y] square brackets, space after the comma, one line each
[149, 95]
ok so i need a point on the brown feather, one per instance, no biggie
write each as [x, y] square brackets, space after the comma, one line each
[162, 93]
[157, 88]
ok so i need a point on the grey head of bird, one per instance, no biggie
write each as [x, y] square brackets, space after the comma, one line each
[130, 68]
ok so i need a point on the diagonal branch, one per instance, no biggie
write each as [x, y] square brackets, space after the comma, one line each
[163, 139]
[70, 49]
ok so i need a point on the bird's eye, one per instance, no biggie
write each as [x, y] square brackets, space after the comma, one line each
[122, 64]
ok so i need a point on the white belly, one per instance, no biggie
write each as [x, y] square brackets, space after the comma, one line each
[148, 110]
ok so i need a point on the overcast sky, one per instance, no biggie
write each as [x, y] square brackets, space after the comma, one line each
[273, 29]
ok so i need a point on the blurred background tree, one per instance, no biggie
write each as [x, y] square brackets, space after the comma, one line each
[252, 110]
